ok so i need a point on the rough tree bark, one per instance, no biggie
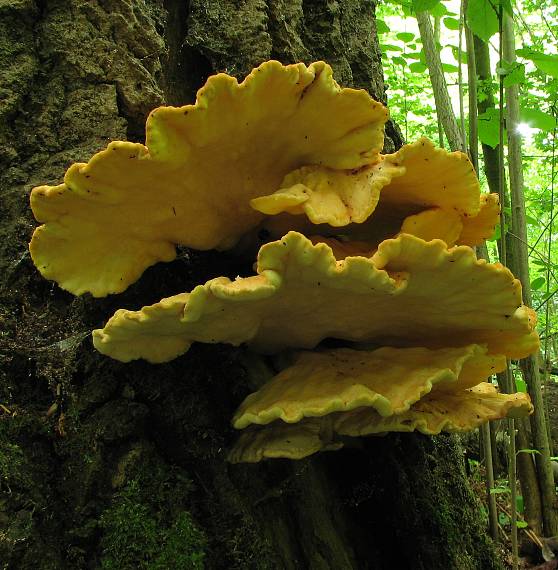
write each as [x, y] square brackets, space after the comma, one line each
[113, 465]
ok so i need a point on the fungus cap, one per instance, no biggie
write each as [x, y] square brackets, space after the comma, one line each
[327, 196]
[389, 380]
[192, 182]
[302, 295]
[477, 229]
[438, 411]
[281, 440]
[434, 192]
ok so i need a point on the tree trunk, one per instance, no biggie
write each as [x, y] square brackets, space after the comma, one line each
[112, 465]
[520, 267]
[444, 108]
[526, 468]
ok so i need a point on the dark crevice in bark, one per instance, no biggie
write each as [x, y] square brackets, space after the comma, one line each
[186, 69]
[394, 137]
[41, 7]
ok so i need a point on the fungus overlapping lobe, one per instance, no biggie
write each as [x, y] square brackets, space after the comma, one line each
[422, 190]
[192, 182]
[302, 295]
[452, 412]
[387, 379]
[438, 411]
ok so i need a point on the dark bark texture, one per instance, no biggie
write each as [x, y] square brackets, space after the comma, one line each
[111, 465]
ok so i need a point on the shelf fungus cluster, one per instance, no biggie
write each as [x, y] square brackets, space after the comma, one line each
[373, 250]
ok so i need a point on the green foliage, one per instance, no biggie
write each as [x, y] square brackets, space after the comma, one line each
[489, 127]
[520, 385]
[538, 119]
[423, 5]
[134, 538]
[548, 63]
[514, 73]
[184, 546]
[482, 18]
[381, 27]
[451, 23]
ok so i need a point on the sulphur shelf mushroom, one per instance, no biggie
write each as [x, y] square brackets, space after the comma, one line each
[325, 396]
[436, 412]
[192, 181]
[363, 247]
[302, 294]
[422, 190]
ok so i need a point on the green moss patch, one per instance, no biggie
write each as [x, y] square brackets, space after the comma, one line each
[134, 536]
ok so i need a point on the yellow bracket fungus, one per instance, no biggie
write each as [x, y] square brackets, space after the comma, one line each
[477, 229]
[438, 189]
[389, 380]
[302, 295]
[438, 411]
[288, 149]
[441, 411]
[281, 440]
[192, 181]
[327, 196]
